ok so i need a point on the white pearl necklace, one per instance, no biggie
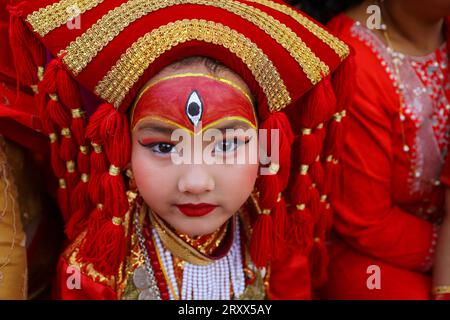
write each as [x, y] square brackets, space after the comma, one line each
[210, 282]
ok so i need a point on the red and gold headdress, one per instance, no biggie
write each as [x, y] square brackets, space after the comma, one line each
[292, 65]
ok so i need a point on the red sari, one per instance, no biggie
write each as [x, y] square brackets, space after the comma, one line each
[390, 204]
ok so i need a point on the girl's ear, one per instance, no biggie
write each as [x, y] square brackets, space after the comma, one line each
[131, 182]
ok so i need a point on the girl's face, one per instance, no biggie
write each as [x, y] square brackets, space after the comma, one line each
[176, 177]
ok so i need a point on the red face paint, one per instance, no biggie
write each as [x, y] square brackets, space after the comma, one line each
[185, 101]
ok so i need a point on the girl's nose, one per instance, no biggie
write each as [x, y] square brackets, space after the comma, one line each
[196, 180]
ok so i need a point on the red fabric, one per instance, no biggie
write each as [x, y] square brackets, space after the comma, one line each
[289, 276]
[89, 289]
[18, 108]
[374, 208]
[445, 175]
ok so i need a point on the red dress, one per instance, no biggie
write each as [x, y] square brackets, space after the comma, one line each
[390, 204]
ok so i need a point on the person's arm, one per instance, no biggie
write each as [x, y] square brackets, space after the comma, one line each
[366, 217]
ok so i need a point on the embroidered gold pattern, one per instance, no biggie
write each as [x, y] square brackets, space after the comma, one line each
[118, 81]
[341, 49]
[55, 15]
[82, 50]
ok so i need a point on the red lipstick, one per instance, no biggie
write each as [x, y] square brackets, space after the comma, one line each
[196, 210]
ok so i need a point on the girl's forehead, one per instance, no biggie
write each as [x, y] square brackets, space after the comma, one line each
[193, 100]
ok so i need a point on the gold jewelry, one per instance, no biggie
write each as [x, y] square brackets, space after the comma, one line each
[440, 290]
[210, 244]
[176, 245]
[114, 171]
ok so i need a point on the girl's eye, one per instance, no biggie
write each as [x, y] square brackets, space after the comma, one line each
[160, 147]
[163, 148]
[228, 145]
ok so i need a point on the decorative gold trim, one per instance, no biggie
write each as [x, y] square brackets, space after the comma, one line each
[53, 137]
[55, 15]
[84, 177]
[440, 290]
[65, 132]
[114, 171]
[70, 166]
[82, 50]
[62, 183]
[97, 148]
[122, 76]
[176, 245]
[84, 149]
[117, 221]
[306, 131]
[339, 46]
[304, 168]
[274, 168]
[53, 96]
[77, 113]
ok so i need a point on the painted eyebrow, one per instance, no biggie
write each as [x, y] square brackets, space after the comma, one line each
[235, 124]
[152, 127]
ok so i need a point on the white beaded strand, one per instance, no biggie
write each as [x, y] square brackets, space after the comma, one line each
[213, 281]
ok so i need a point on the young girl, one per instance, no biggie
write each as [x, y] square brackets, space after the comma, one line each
[160, 188]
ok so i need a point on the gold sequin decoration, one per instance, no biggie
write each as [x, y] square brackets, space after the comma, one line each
[82, 50]
[341, 49]
[55, 15]
[131, 65]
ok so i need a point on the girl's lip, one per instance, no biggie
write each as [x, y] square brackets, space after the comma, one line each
[196, 210]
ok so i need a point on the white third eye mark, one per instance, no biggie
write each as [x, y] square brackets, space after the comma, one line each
[194, 108]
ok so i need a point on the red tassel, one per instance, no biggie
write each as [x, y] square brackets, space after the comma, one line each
[63, 201]
[319, 104]
[76, 224]
[28, 53]
[319, 262]
[58, 166]
[115, 135]
[68, 149]
[279, 218]
[317, 174]
[78, 129]
[268, 186]
[58, 113]
[111, 239]
[314, 204]
[344, 83]
[72, 179]
[308, 147]
[115, 198]
[331, 170]
[279, 121]
[80, 205]
[67, 88]
[334, 142]
[83, 161]
[91, 248]
[300, 190]
[261, 243]
[302, 229]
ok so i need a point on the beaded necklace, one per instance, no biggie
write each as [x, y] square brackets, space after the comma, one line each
[223, 279]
